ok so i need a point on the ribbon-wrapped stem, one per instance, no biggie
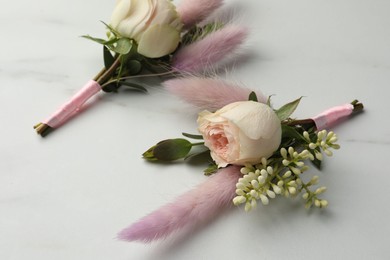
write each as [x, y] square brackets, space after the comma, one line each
[329, 117]
[68, 109]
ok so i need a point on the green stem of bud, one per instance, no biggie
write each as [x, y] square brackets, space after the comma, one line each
[357, 106]
[105, 74]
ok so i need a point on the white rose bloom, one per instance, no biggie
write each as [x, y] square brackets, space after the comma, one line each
[241, 133]
[153, 24]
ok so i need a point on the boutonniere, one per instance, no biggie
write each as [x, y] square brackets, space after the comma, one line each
[153, 39]
[254, 152]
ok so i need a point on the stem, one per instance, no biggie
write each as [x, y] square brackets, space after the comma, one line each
[43, 129]
[107, 73]
[103, 75]
[357, 106]
[308, 122]
[139, 76]
[101, 72]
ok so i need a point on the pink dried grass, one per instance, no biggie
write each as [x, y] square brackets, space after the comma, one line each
[210, 50]
[209, 93]
[189, 210]
[194, 11]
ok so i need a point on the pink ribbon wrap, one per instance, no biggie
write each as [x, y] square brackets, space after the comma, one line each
[73, 105]
[331, 116]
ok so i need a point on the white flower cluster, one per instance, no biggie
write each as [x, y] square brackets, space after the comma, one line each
[255, 185]
[280, 175]
[324, 141]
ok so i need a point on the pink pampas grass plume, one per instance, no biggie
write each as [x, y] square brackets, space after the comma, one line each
[190, 209]
[209, 50]
[209, 93]
[194, 11]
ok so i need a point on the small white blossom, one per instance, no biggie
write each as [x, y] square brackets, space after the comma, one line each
[318, 155]
[314, 180]
[239, 200]
[324, 203]
[240, 192]
[283, 152]
[320, 190]
[271, 194]
[276, 189]
[306, 136]
[287, 174]
[292, 190]
[264, 199]
[328, 152]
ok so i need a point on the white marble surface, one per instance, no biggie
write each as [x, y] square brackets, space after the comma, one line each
[66, 196]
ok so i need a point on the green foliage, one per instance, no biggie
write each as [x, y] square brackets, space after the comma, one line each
[169, 150]
[253, 97]
[109, 59]
[122, 46]
[282, 173]
[122, 62]
[99, 40]
[213, 168]
[286, 111]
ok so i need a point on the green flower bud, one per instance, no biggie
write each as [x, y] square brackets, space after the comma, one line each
[168, 150]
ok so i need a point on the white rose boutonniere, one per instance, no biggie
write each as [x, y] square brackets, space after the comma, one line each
[255, 153]
[153, 24]
[240, 133]
[153, 38]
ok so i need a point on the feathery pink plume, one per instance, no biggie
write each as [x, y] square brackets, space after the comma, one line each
[210, 50]
[190, 209]
[194, 11]
[209, 93]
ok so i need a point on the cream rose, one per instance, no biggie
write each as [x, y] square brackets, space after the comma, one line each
[240, 133]
[153, 24]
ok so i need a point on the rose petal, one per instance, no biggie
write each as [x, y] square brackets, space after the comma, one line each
[158, 40]
[252, 123]
[165, 13]
[121, 10]
[140, 12]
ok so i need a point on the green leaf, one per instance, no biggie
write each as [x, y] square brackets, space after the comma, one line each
[134, 86]
[192, 136]
[108, 58]
[253, 97]
[213, 168]
[112, 87]
[134, 67]
[169, 150]
[286, 111]
[101, 41]
[149, 155]
[291, 133]
[98, 40]
[317, 163]
[115, 32]
[203, 155]
[122, 46]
